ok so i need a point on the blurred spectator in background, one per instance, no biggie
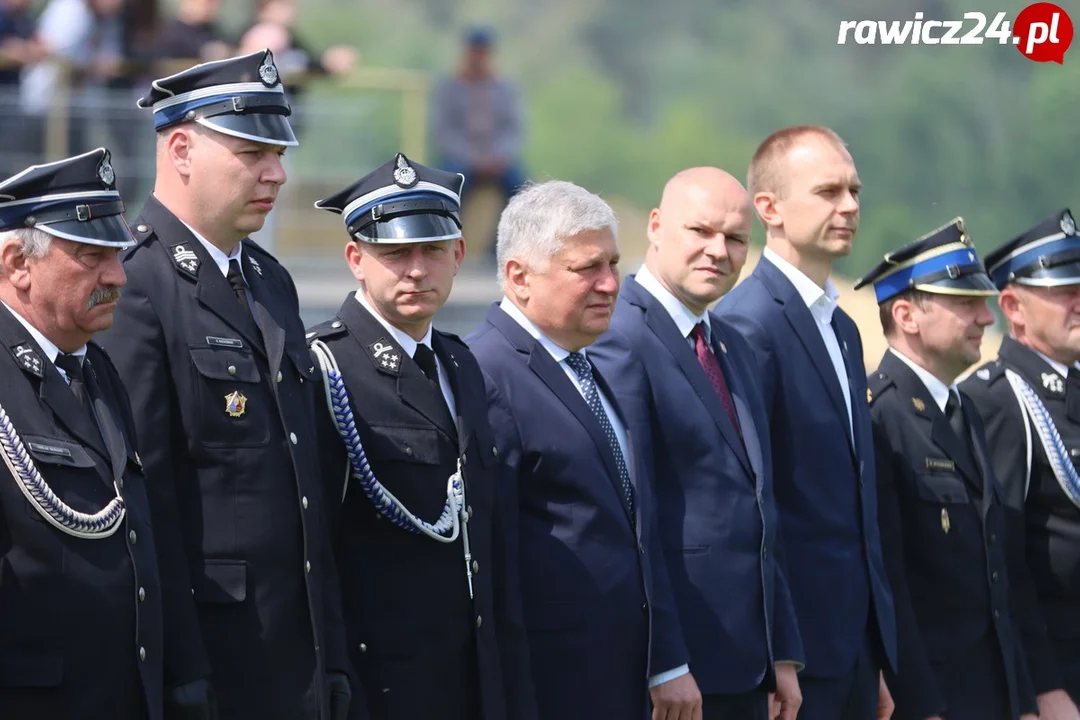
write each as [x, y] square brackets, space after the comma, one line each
[193, 33]
[18, 48]
[477, 119]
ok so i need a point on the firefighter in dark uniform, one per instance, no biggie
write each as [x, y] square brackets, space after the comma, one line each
[1029, 398]
[427, 571]
[210, 344]
[940, 507]
[81, 626]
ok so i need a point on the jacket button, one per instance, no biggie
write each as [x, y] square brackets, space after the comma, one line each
[307, 566]
[408, 451]
[336, 324]
[993, 539]
[142, 653]
[363, 647]
[132, 537]
[495, 451]
[468, 510]
[303, 502]
[764, 553]
[141, 228]
[292, 438]
[1075, 452]
[142, 594]
[232, 369]
[645, 607]
[993, 576]
[463, 459]
[475, 567]
[278, 378]
[479, 622]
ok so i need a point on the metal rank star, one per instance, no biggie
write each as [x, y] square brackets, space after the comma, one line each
[235, 403]
[390, 361]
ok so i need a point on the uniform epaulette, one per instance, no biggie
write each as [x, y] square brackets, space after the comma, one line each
[877, 383]
[324, 330]
[990, 372]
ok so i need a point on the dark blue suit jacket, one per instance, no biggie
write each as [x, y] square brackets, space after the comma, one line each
[825, 479]
[597, 625]
[714, 495]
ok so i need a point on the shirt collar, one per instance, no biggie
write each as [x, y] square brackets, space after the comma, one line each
[937, 389]
[556, 351]
[47, 346]
[220, 258]
[684, 318]
[402, 338]
[1059, 367]
[821, 303]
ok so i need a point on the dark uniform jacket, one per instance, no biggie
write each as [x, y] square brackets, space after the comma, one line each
[80, 619]
[944, 540]
[1046, 519]
[420, 646]
[225, 411]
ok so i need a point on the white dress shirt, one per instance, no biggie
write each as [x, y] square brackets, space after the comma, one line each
[217, 255]
[47, 346]
[560, 354]
[938, 390]
[822, 305]
[684, 317]
[408, 345]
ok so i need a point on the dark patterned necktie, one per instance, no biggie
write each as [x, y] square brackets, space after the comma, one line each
[73, 368]
[425, 358]
[715, 373]
[583, 369]
[957, 421]
[239, 287]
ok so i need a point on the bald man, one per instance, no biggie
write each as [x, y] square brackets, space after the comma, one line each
[688, 380]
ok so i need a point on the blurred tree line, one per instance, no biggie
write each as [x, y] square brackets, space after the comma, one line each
[623, 93]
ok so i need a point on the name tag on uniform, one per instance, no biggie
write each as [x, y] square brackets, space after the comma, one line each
[940, 464]
[49, 449]
[234, 343]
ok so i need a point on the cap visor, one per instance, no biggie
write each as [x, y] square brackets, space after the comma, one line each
[410, 229]
[1058, 275]
[974, 284]
[108, 231]
[270, 128]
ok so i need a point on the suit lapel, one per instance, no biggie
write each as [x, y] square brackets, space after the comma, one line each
[110, 432]
[266, 303]
[751, 444]
[661, 324]
[449, 363]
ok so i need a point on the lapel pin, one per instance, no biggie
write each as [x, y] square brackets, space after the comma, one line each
[869, 395]
[235, 403]
[918, 404]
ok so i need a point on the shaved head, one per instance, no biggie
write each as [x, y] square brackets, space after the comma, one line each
[699, 235]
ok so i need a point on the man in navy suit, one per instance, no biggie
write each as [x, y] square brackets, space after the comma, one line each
[679, 369]
[598, 610]
[810, 361]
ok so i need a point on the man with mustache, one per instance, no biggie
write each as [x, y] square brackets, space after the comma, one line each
[1030, 399]
[431, 604]
[940, 507]
[692, 378]
[805, 189]
[210, 343]
[84, 573]
[597, 603]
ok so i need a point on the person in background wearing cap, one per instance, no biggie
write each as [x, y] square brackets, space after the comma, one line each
[431, 601]
[478, 120]
[210, 344]
[692, 379]
[597, 601]
[80, 589]
[1029, 398]
[939, 503]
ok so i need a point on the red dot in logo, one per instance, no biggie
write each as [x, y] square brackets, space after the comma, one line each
[1043, 32]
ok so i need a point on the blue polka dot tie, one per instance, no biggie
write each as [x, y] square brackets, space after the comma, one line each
[583, 369]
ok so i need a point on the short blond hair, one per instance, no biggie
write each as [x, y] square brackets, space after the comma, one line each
[766, 168]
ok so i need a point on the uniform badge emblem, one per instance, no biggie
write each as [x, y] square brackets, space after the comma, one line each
[235, 403]
[869, 396]
[185, 259]
[1053, 382]
[918, 404]
[983, 374]
[386, 356]
[723, 347]
[1068, 225]
[268, 72]
[29, 359]
[404, 175]
[106, 173]
[946, 525]
[255, 265]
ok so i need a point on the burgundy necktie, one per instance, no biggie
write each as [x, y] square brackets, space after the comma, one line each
[712, 369]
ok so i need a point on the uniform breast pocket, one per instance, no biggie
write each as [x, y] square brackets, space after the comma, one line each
[941, 489]
[414, 445]
[232, 407]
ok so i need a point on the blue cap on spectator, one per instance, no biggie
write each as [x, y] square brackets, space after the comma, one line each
[400, 202]
[240, 96]
[480, 36]
[1045, 255]
[74, 199]
[943, 261]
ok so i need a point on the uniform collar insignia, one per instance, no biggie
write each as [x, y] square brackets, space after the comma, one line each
[29, 359]
[1053, 382]
[255, 265]
[185, 259]
[386, 356]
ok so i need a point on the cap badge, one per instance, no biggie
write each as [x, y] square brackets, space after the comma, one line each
[105, 173]
[1068, 225]
[404, 175]
[268, 72]
[235, 403]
